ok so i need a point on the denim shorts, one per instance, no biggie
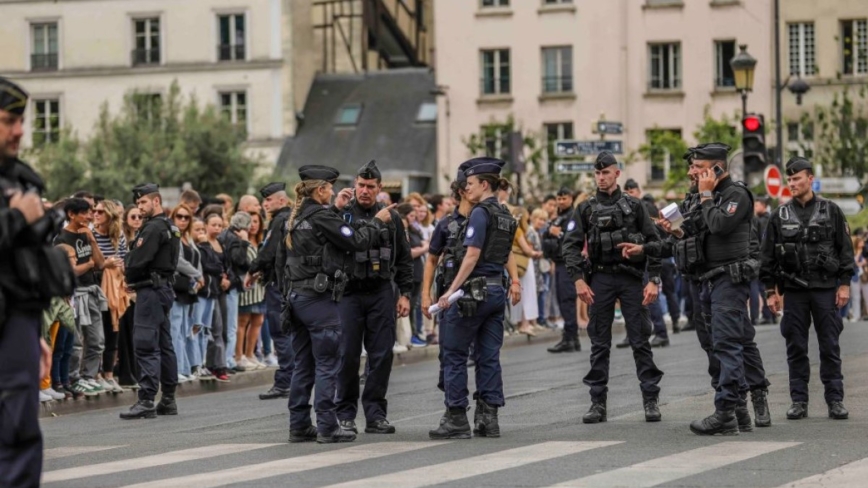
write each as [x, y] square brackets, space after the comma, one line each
[255, 308]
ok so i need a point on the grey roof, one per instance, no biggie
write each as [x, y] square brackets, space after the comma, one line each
[387, 130]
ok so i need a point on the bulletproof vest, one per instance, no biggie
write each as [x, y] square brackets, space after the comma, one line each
[689, 252]
[499, 234]
[450, 263]
[311, 251]
[166, 260]
[612, 224]
[722, 249]
[378, 262]
[807, 250]
[552, 247]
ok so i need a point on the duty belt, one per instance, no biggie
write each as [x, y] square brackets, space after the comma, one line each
[490, 280]
[617, 269]
[308, 284]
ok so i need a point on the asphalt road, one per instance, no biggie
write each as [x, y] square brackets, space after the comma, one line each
[234, 439]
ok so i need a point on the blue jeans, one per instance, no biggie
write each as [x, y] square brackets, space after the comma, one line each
[60, 357]
[541, 297]
[180, 317]
[265, 337]
[231, 327]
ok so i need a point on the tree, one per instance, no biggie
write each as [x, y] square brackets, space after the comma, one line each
[839, 133]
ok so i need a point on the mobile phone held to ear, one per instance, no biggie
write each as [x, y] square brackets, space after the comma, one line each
[718, 172]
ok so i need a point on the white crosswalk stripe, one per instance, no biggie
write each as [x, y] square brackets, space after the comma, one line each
[62, 452]
[852, 474]
[677, 466]
[149, 461]
[288, 466]
[477, 465]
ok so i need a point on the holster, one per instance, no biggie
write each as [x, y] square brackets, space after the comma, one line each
[467, 307]
[340, 286]
[286, 315]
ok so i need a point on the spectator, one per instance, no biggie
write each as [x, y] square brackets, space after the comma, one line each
[234, 243]
[127, 370]
[526, 309]
[418, 249]
[192, 200]
[214, 265]
[542, 266]
[251, 304]
[423, 217]
[384, 198]
[442, 205]
[859, 286]
[132, 223]
[228, 204]
[186, 286]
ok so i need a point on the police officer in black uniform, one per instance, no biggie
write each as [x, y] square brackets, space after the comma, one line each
[31, 273]
[368, 309]
[477, 317]
[316, 244]
[552, 244]
[807, 259]
[606, 220]
[269, 267]
[150, 270]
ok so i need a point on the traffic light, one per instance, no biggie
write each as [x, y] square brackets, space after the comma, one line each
[753, 141]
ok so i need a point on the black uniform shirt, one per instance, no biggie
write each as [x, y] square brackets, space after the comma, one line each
[149, 254]
[270, 260]
[356, 214]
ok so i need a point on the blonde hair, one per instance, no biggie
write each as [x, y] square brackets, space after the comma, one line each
[429, 217]
[303, 189]
[539, 213]
[115, 230]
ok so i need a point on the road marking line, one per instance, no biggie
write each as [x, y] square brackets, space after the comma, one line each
[478, 465]
[298, 464]
[62, 452]
[681, 465]
[149, 461]
[851, 474]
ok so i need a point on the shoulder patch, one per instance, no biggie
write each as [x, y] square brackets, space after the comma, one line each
[346, 231]
[731, 207]
[571, 226]
[139, 242]
[470, 231]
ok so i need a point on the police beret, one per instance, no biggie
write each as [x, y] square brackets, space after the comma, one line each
[318, 172]
[564, 191]
[13, 98]
[713, 151]
[688, 156]
[145, 189]
[484, 165]
[272, 188]
[798, 163]
[604, 160]
[630, 184]
[370, 171]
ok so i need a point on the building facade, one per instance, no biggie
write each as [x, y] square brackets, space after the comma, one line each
[558, 66]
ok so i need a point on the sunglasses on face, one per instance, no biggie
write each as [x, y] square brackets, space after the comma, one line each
[99, 212]
[136, 217]
[182, 217]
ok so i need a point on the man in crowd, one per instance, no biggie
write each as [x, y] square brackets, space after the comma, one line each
[757, 291]
[553, 242]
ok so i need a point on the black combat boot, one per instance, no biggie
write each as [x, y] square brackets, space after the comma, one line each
[597, 412]
[487, 425]
[477, 415]
[349, 425]
[798, 410]
[722, 422]
[303, 435]
[837, 411]
[658, 341]
[456, 426]
[577, 344]
[339, 435]
[273, 393]
[760, 399]
[143, 409]
[652, 411]
[379, 426]
[167, 405]
[742, 414]
[566, 345]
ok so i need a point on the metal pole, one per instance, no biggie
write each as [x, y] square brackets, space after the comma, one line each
[743, 104]
[779, 123]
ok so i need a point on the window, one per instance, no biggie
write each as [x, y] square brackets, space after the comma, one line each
[496, 141]
[556, 131]
[495, 72]
[233, 106]
[663, 3]
[43, 54]
[427, 112]
[724, 51]
[46, 122]
[557, 69]
[349, 114]
[231, 43]
[802, 61]
[556, 2]
[661, 159]
[792, 131]
[146, 42]
[665, 66]
[854, 40]
[494, 3]
[147, 106]
[800, 139]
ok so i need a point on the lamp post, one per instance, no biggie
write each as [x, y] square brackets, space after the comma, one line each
[743, 65]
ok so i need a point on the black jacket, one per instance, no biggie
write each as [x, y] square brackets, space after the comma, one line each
[238, 264]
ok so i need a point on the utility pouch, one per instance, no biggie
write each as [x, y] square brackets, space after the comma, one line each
[606, 242]
[467, 307]
[321, 283]
[827, 263]
[341, 281]
[385, 262]
[375, 260]
[479, 289]
[286, 316]
[789, 254]
[617, 238]
[735, 272]
[814, 233]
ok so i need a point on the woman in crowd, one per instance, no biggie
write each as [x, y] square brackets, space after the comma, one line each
[424, 218]
[234, 242]
[418, 249]
[214, 265]
[859, 285]
[526, 309]
[132, 223]
[186, 288]
[251, 304]
[127, 373]
[542, 266]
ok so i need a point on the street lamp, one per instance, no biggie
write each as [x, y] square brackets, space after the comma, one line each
[743, 65]
[798, 87]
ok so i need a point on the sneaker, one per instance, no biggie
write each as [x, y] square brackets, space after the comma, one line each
[105, 385]
[221, 376]
[182, 379]
[71, 392]
[94, 385]
[53, 394]
[204, 374]
[115, 386]
[398, 348]
[59, 388]
[259, 364]
[44, 397]
[271, 361]
[416, 342]
[245, 365]
[82, 387]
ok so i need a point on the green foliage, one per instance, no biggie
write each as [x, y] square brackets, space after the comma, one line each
[168, 141]
[840, 138]
[663, 143]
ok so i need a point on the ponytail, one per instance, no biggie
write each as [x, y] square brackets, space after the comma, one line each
[303, 190]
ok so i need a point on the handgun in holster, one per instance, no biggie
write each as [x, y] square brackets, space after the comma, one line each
[286, 315]
[341, 280]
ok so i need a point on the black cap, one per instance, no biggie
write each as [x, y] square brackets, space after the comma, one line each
[630, 184]
[484, 165]
[370, 171]
[272, 188]
[13, 98]
[688, 156]
[604, 160]
[461, 177]
[798, 163]
[713, 151]
[145, 189]
[318, 172]
[564, 191]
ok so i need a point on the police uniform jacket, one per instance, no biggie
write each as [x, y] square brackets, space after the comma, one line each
[155, 250]
[270, 260]
[728, 217]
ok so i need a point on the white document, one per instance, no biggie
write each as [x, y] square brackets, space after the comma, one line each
[435, 309]
[673, 215]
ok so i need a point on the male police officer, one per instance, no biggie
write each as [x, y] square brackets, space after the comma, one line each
[368, 309]
[606, 220]
[269, 267]
[553, 248]
[25, 290]
[150, 269]
[808, 256]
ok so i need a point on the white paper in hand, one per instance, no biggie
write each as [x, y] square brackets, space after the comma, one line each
[435, 309]
[672, 213]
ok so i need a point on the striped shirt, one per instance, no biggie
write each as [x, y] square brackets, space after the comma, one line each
[108, 250]
[256, 294]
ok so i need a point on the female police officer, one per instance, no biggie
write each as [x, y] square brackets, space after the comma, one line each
[478, 317]
[317, 242]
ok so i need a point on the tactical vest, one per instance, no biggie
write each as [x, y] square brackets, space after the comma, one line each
[723, 249]
[311, 251]
[378, 262]
[612, 224]
[450, 263]
[166, 260]
[807, 251]
[689, 250]
[552, 247]
[499, 235]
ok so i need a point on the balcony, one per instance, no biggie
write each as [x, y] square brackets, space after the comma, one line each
[495, 86]
[43, 62]
[231, 52]
[557, 84]
[144, 57]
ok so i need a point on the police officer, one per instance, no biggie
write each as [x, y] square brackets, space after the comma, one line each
[477, 317]
[368, 310]
[604, 221]
[552, 244]
[150, 269]
[807, 258]
[316, 243]
[25, 232]
[268, 267]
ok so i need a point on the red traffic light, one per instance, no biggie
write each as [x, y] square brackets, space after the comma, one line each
[751, 123]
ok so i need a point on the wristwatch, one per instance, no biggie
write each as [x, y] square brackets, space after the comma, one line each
[655, 280]
[706, 194]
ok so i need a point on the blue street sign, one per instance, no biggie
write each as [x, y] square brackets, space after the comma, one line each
[568, 149]
[816, 185]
